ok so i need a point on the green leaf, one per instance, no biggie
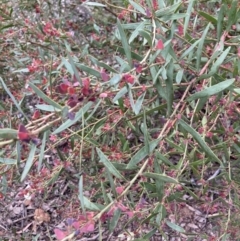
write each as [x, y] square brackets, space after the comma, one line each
[13, 99]
[104, 193]
[89, 70]
[120, 94]
[135, 33]
[160, 177]
[136, 106]
[125, 45]
[49, 108]
[109, 165]
[138, 7]
[122, 51]
[179, 76]
[175, 16]
[169, 87]
[163, 159]
[41, 154]
[220, 21]
[145, 132]
[175, 227]
[75, 71]
[41, 95]
[168, 10]
[232, 15]
[114, 220]
[200, 141]
[8, 161]
[147, 36]
[219, 61]
[78, 116]
[80, 195]
[189, 50]
[213, 90]
[142, 153]
[149, 234]
[67, 65]
[8, 134]
[115, 79]
[29, 162]
[210, 18]
[102, 64]
[95, 4]
[237, 90]
[200, 47]
[189, 11]
[92, 206]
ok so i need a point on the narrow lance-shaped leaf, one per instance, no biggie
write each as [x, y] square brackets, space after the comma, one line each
[218, 62]
[8, 161]
[210, 18]
[138, 7]
[189, 11]
[89, 70]
[29, 162]
[92, 206]
[74, 69]
[161, 177]
[189, 50]
[109, 165]
[147, 36]
[135, 33]
[41, 155]
[81, 197]
[213, 90]
[175, 227]
[142, 153]
[168, 10]
[220, 21]
[13, 98]
[200, 46]
[8, 134]
[44, 97]
[200, 141]
[78, 116]
[126, 47]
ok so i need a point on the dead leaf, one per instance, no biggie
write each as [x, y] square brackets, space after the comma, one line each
[41, 216]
